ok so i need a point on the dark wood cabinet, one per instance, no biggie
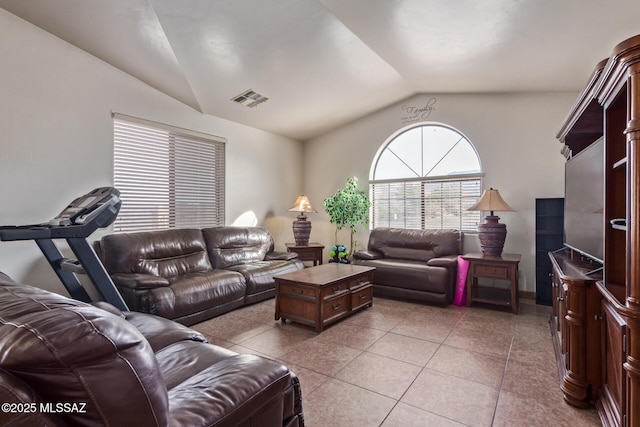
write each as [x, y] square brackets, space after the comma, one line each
[612, 402]
[609, 107]
[577, 331]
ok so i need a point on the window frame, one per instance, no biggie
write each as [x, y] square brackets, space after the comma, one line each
[467, 226]
[168, 177]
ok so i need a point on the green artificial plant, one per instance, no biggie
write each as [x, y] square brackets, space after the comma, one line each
[348, 207]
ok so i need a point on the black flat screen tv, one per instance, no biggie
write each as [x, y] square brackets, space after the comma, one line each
[584, 201]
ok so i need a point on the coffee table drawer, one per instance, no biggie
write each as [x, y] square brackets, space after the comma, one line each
[335, 307]
[286, 288]
[361, 296]
[359, 281]
[335, 289]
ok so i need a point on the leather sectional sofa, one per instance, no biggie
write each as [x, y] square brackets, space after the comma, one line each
[190, 275]
[68, 363]
[419, 265]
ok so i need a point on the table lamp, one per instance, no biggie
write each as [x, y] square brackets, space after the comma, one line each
[302, 227]
[491, 233]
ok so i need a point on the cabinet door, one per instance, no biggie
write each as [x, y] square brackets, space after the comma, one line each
[613, 391]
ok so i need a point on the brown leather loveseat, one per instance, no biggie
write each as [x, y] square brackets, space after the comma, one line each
[68, 363]
[190, 275]
[419, 265]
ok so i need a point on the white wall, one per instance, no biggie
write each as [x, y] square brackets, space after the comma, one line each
[57, 144]
[514, 135]
[57, 138]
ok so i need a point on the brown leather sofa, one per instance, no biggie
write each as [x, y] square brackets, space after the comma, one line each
[190, 275]
[66, 363]
[419, 265]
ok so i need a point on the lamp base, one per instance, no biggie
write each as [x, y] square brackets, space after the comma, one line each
[301, 230]
[492, 235]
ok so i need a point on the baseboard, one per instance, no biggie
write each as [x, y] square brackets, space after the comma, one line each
[527, 295]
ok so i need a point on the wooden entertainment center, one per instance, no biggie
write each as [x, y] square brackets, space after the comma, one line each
[596, 306]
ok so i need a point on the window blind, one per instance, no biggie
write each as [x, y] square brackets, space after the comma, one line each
[425, 203]
[167, 177]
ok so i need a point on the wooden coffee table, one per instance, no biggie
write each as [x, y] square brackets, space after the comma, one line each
[321, 295]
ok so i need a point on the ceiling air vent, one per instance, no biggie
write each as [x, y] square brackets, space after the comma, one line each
[249, 98]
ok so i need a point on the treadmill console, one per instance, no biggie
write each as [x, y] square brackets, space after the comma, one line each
[85, 208]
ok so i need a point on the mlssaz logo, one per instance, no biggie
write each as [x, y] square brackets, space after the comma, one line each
[63, 408]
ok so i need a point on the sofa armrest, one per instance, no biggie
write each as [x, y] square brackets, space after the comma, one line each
[139, 281]
[280, 256]
[368, 254]
[449, 261]
[240, 390]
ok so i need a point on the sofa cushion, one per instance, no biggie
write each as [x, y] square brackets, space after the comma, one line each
[259, 275]
[184, 359]
[408, 274]
[231, 393]
[164, 253]
[161, 332]
[229, 246]
[416, 245]
[62, 349]
[195, 292]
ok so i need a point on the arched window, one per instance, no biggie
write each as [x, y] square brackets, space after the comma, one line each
[426, 177]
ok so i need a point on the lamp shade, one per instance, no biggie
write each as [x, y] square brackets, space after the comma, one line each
[491, 233]
[302, 227]
[302, 204]
[491, 200]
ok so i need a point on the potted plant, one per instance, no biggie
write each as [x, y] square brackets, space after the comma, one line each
[348, 207]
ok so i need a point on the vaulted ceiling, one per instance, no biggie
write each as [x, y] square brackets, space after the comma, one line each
[323, 63]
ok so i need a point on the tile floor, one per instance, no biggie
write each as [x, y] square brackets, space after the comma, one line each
[405, 364]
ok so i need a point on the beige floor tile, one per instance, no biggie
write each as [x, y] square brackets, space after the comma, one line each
[533, 345]
[262, 312]
[245, 350]
[406, 364]
[337, 404]
[529, 380]
[380, 374]
[516, 410]
[309, 380]
[277, 341]
[481, 338]
[430, 329]
[232, 329]
[404, 348]
[470, 365]
[376, 318]
[352, 335]
[321, 356]
[450, 314]
[461, 400]
[409, 416]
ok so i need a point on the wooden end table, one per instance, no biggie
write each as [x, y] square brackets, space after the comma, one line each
[310, 252]
[503, 268]
[321, 295]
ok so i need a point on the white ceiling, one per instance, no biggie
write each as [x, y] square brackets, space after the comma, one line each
[323, 63]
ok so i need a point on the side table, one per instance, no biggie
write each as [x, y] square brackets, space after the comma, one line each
[310, 252]
[503, 268]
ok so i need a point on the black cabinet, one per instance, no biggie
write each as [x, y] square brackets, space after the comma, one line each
[549, 237]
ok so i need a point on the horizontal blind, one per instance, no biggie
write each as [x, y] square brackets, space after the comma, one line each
[425, 204]
[167, 179]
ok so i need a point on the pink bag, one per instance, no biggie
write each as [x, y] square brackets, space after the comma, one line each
[461, 284]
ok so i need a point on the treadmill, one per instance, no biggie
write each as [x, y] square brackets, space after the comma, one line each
[84, 215]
